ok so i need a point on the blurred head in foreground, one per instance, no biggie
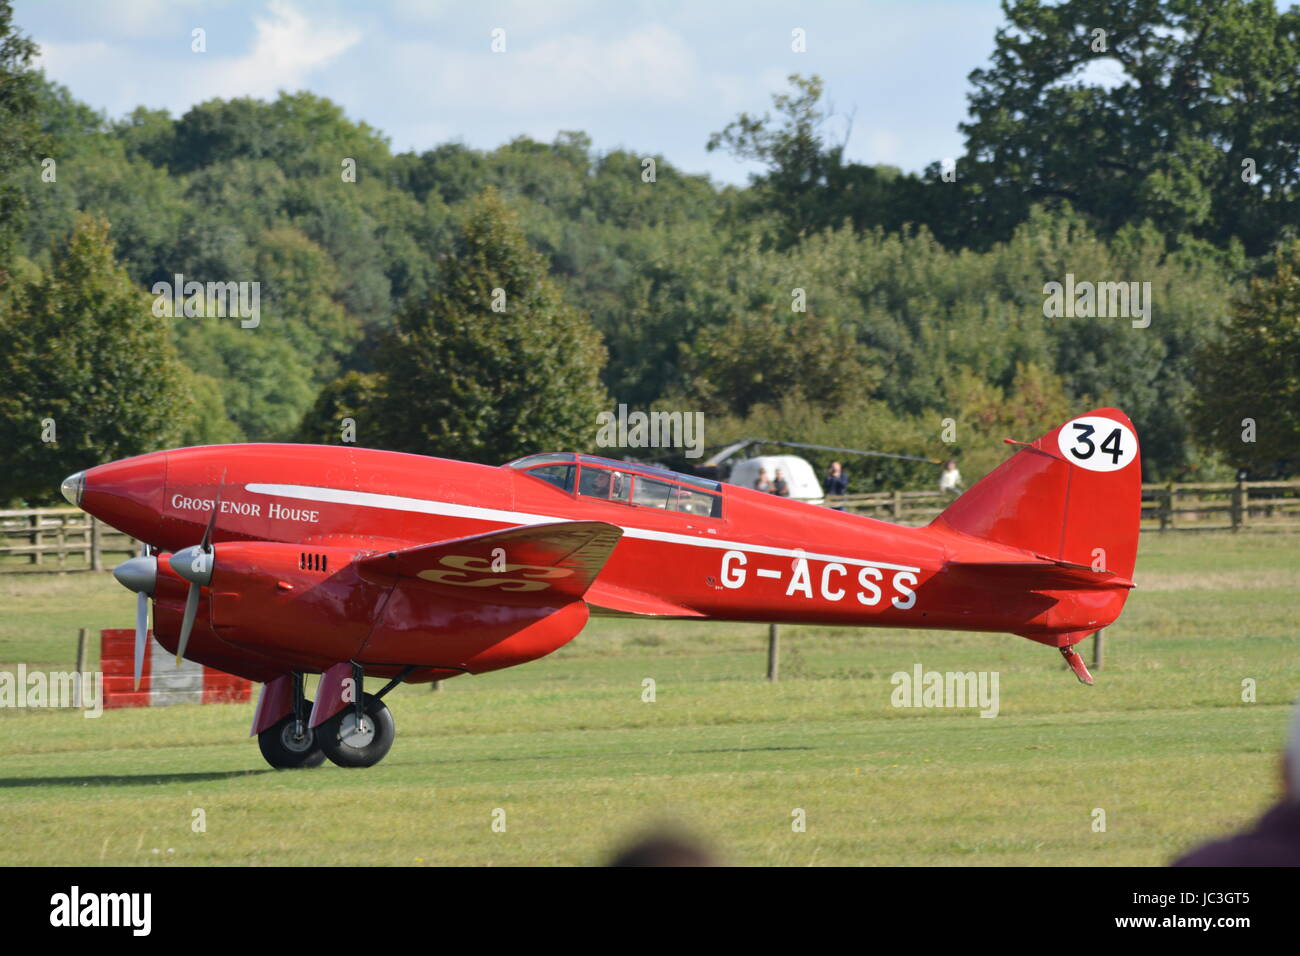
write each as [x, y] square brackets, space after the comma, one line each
[1274, 839]
[664, 848]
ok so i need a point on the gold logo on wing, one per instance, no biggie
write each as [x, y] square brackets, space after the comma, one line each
[467, 571]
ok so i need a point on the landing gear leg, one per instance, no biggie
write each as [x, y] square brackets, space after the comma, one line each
[290, 743]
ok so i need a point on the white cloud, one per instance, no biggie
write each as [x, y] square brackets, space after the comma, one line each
[574, 71]
[648, 75]
[288, 46]
[287, 49]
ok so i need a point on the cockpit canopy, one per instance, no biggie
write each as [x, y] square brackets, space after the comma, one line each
[623, 482]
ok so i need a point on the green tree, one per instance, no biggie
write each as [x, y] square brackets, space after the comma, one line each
[460, 379]
[149, 134]
[809, 186]
[210, 424]
[765, 358]
[81, 352]
[1034, 403]
[299, 288]
[796, 152]
[265, 387]
[309, 128]
[1202, 93]
[353, 396]
[1246, 403]
[20, 138]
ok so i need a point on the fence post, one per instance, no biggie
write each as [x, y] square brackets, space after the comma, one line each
[35, 520]
[96, 559]
[1167, 521]
[82, 635]
[773, 652]
[1098, 649]
[898, 506]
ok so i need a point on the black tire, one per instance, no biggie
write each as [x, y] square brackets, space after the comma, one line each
[284, 752]
[343, 748]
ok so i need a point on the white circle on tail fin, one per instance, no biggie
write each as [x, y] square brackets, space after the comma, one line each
[1097, 443]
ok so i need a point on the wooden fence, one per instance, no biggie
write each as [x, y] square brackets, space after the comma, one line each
[1221, 506]
[59, 539]
[68, 539]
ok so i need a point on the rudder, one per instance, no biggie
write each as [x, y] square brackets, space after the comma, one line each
[1074, 494]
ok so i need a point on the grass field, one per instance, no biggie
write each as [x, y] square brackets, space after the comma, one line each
[566, 747]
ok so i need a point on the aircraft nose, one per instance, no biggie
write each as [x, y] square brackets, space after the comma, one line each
[72, 487]
[128, 494]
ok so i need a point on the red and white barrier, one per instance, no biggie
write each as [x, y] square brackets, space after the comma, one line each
[162, 683]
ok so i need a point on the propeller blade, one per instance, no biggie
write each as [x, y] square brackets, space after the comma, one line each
[142, 619]
[206, 542]
[141, 634]
[187, 622]
[195, 564]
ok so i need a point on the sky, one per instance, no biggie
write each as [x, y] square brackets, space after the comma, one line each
[651, 77]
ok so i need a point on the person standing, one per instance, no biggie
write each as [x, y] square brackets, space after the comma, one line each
[763, 483]
[779, 485]
[950, 479]
[836, 481]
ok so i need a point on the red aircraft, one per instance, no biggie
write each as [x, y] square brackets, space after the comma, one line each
[276, 561]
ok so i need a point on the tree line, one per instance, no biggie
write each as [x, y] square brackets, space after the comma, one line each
[484, 304]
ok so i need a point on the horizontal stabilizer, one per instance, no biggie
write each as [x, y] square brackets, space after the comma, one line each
[534, 564]
[1037, 575]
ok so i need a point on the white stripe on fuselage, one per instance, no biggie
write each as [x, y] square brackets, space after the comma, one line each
[367, 499]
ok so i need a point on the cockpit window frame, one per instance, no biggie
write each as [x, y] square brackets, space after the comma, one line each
[654, 471]
[546, 458]
[571, 490]
[630, 472]
[663, 476]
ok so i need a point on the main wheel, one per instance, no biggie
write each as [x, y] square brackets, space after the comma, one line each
[351, 745]
[286, 750]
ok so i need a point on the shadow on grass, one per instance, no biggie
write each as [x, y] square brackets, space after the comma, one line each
[741, 750]
[650, 752]
[122, 780]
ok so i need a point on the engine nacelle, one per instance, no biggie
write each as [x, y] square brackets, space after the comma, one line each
[312, 606]
[305, 601]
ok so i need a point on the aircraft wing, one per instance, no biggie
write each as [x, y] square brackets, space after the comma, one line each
[612, 600]
[1045, 575]
[533, 564]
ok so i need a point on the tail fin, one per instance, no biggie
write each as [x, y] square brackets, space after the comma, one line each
[1074, 495]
